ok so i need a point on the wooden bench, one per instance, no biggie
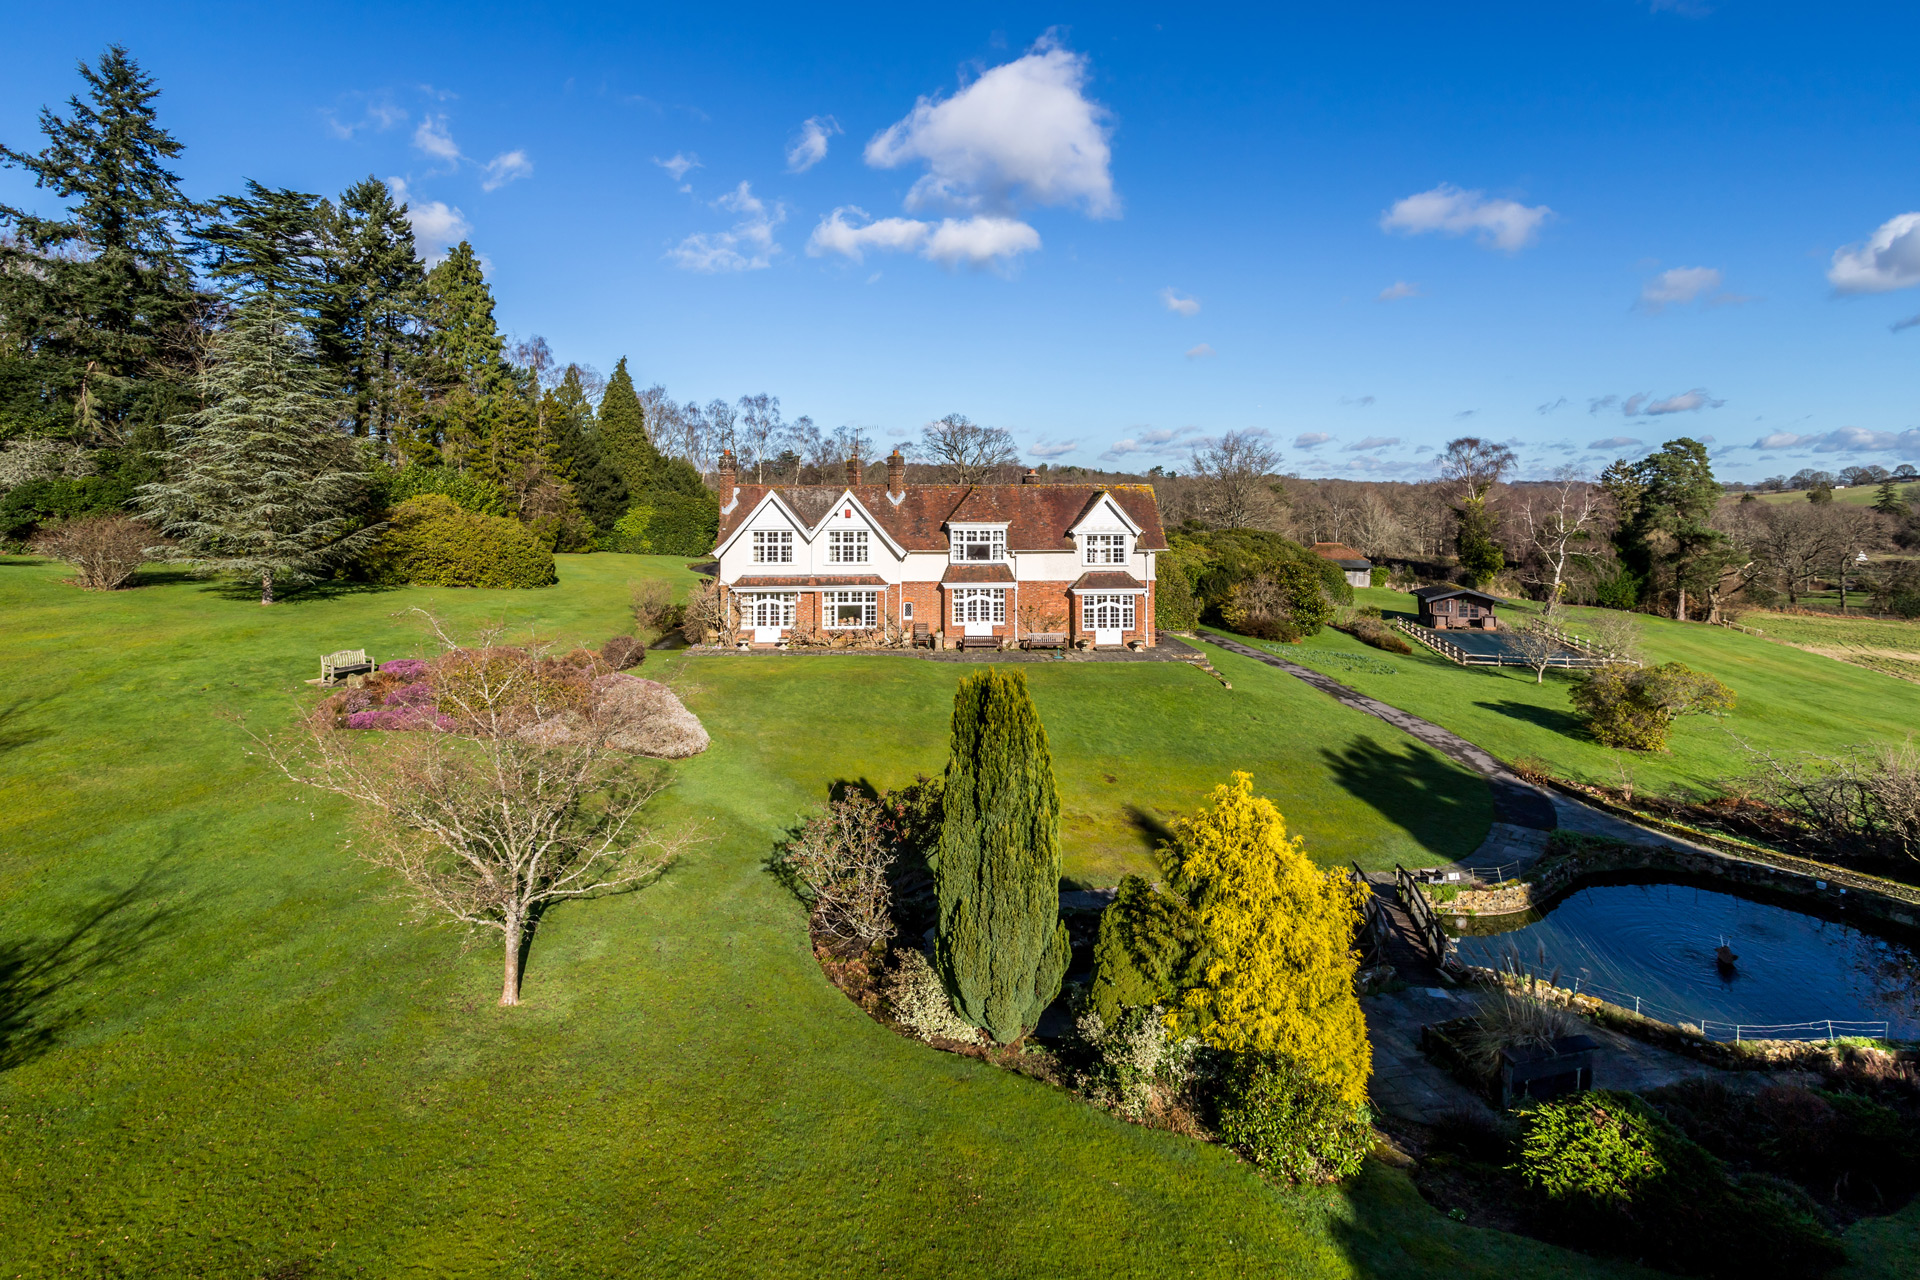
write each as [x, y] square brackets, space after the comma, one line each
[347, 662]
[1044, 640]
[922, 636]
[979, 642]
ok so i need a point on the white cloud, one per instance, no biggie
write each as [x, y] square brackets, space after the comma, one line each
[437, 226]
[1397, 290]
[1686, 402]
[380, 115]
[1311, 440]
[1201, 352]
[679, 164]
[748, 246]
[1504, 224]
[1164, 441]
[1179, 304]
[1890, 259]
[1372, 443]
[978, 242]
[1614, 442]
[1905, 444]
[434, 138]
[1052, 449]
[1023, 131]
[810, 148]
[508, 166]
[1678, 286]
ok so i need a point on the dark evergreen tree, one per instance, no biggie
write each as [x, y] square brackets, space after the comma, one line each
[1480, 555]
[464, 352]
[371, 323]
[1000, 944]
[268, 242]
[261, 483]
[1665, 537]
[1888, 502]
[98, 311]
[623, 433]
[601, 491]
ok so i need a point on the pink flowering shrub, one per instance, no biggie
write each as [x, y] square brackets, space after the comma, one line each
[394, 718]
[407, 669]
[418, 694]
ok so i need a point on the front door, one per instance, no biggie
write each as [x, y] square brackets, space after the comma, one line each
[977, 609]
[1107, 616]
[767, 615]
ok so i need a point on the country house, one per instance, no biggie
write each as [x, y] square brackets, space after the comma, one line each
[987, 561]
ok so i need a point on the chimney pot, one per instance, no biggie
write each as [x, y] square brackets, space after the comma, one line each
[726, 478]
[896, 474]
[853, 469]
[1032, 477]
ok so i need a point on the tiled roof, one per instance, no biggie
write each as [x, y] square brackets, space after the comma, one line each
[977, 573]
[1448, 593]
[763, 581]
[1341, 554]
[1037, 516]
[1107, 580]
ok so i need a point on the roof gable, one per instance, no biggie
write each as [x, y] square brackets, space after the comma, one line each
[1101, 507]
[1038, 517]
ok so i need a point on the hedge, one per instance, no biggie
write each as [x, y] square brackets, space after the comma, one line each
[431, 542]
[666, 523]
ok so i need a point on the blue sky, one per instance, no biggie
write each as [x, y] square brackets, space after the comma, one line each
[1585, 228]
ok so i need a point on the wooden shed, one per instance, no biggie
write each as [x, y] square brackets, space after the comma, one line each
[1449, 608]
[1357, 568]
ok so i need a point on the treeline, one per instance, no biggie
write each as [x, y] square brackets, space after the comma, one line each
[305, 338]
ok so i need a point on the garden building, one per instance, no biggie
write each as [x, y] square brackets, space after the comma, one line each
[1443, 608]
[990, 563]
[1357, 568]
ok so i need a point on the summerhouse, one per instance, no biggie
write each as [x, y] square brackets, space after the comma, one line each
[1448, 608]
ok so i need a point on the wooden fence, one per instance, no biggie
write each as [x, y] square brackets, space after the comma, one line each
[1420, 911]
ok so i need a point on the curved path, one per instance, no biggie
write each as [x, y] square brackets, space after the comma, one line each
[1523, 814]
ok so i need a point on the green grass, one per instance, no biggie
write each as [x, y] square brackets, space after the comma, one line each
[1886, 645]
[1789, 701]
[1858, 495]
[226, 1055]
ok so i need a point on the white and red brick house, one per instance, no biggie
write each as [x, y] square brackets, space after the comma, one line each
[1000, 560]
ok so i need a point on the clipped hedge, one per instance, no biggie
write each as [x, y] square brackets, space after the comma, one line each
[431, 542]
[666, 523]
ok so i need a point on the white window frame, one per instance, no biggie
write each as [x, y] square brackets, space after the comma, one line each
[987, 604]
[1093, 603]
[848, 546]
[906, 611]
[832, 601]
[964, 536]
[753, 605]
[773, 546]
[1105, 548]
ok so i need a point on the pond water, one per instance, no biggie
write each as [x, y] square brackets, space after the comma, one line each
[1657, 942]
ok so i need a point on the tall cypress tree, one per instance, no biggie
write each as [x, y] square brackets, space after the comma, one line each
[262, 484]
[97, 306]
[577, 457]
[1000, 945]
[623, 433]
[464, 349]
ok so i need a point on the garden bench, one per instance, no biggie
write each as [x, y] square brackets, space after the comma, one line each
[1044, 640]
[979, 642]
[347, 662]
[922, 636]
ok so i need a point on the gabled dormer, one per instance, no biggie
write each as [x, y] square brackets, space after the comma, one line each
[848, 534]
[1104, 535]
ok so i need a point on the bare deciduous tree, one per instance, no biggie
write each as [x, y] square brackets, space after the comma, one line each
[719, 417]
[840, 860]
[1557, 519]
[1473, 466]
[1615, 634]
[520, 799]
[760, 426]
[965, 451]
[105, 551]
[1536, 648]
[1863, 803]
[1236, 474]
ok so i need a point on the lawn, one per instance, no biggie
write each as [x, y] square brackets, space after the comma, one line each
[1789, 701]
[224, 1053]
[1887, 645]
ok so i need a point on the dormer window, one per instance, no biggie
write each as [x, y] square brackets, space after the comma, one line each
[773, 546]
[847, 546]
[1106, 548]
[978, 545]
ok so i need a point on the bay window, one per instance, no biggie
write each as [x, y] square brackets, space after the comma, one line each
[1107, 612]
[979, 604]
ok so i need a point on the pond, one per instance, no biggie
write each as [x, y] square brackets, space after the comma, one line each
[1656, 943]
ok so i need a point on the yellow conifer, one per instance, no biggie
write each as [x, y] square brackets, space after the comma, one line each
[1275, 933]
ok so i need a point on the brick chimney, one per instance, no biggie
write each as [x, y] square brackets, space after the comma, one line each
[853, 469]
[726, 478]
[896, 474]
[1032, 477]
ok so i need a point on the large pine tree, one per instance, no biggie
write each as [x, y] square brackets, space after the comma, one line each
[601, 491]
[269, 242]
[1000, 944]
[464, 348]
[623, 433]
[98, 309]
[263, 485]
[371, 327]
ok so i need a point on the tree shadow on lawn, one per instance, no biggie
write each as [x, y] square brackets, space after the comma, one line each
[1417, 791]
[103, 935]
[13, 733]
[247, 590]
[1560, 722]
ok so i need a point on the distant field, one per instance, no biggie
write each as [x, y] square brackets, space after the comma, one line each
[1878, 644]
[1859, 495]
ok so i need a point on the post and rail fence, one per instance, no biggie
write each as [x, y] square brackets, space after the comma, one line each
[1828, 1029]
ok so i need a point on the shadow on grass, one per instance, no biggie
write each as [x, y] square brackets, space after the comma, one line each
[1416, 790]
[247, 590]
[13, 733]
[1150, 827]
[1546, 717]
[34, 973]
